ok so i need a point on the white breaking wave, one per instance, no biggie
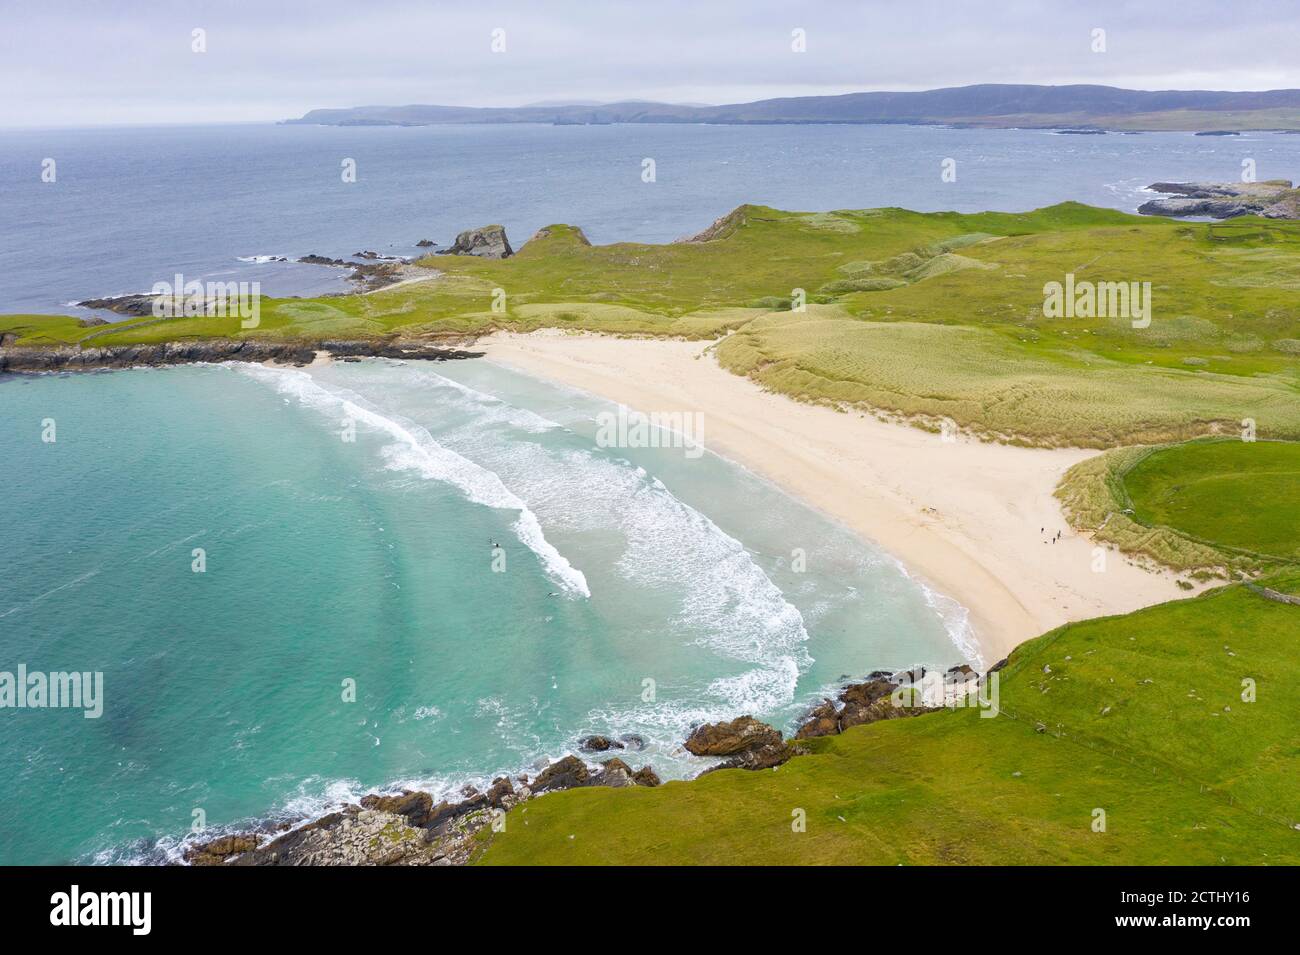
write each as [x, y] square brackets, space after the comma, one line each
[727, 603]
[415, 449]
[491, 407]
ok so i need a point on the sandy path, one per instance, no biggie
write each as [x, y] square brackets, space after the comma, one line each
[963, 515]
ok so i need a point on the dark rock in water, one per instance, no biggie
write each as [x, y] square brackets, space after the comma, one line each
[217, 851]
[632, 741]
[136, 306]
[487, 242]
[645, 776]
[567, 773]
[1273, 199]
[1219, 132]
[425, 244]
[315, 259]
[616, 764]
[1180, 208]
[751, 744]
[598, 744]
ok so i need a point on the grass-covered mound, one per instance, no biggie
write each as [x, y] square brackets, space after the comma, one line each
[929, 315]
[1238, 494]
[1140, 716]
[1213, 505]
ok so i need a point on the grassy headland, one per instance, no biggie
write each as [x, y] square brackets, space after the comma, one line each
[927, 316]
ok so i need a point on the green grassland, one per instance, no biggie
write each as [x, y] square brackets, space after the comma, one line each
[922, 315]
[1239, 494]
[1217, 505]
[1142, 716]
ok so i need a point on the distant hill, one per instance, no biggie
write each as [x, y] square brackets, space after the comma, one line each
[996, 105]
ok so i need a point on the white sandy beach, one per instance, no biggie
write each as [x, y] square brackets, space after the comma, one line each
[973, 520]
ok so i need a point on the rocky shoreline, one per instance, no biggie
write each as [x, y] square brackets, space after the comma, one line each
[409, 828]
[1273, 199]
[371, 271]
[35, 358]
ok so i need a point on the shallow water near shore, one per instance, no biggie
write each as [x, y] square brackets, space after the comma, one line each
[495, 583]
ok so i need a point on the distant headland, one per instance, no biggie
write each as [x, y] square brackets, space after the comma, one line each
[1076, 108]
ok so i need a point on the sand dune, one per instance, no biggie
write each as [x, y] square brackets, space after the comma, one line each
[973, 520]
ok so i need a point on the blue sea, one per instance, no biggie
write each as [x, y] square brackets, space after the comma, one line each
[301, 585]
[133, 206]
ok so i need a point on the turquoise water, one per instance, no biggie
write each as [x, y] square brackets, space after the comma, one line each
[373, 560]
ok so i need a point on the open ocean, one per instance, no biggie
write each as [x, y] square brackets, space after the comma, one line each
[495, 584]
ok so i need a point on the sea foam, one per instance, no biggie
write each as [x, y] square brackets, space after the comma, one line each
[414, 448]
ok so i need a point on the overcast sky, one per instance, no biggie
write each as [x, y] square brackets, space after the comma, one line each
[119, 61]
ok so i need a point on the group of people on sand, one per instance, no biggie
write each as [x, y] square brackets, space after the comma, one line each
[1055, 537]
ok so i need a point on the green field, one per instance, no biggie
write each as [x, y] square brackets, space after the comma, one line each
[1235, 494]
[1212, 505]
[923, 315]
[1142, 717]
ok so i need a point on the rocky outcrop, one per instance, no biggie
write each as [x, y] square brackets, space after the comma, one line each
[407, 827]
[720, 228]
[1274, 199]
[566, 773]
[217, 851]
[417, 807]
[137, 306]
[877, 698]
[645, 776]
[598, 744]
[573, 231]
[22, 358]
[486, 242]
[746, 742]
